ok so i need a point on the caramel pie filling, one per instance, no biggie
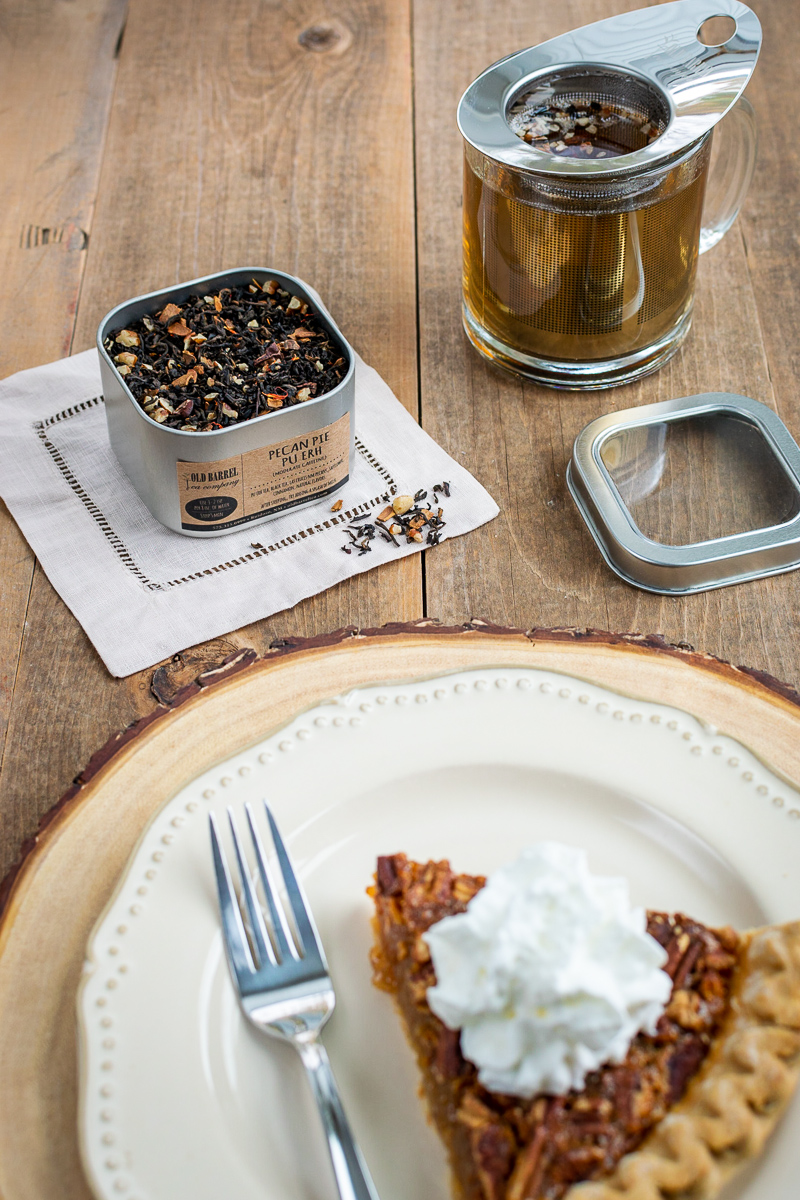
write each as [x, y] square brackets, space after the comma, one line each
[507, 1148]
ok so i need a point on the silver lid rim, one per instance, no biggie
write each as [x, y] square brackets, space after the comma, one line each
[677, 570]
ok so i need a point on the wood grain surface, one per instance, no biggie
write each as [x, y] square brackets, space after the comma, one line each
[70, 874]
[319, 136]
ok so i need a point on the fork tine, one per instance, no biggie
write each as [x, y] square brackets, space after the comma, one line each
[233, 934]
[309, 939]
[258, 928]
[281, 932]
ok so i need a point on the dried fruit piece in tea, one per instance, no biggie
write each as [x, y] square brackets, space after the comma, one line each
[405, 516]
[221, 359]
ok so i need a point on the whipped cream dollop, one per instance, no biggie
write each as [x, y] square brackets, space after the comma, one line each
[548, 974]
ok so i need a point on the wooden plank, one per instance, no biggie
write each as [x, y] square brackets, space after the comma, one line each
[57, 66]
[244, 133]
[69, 877]
[769, 219]
[536, 562]
[16, 572]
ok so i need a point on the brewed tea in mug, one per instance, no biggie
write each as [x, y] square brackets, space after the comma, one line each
[581, 243]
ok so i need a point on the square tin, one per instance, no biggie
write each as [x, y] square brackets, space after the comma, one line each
[690, 494]
[184, 476]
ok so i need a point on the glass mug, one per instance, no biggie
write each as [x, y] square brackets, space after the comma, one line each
[587, 280]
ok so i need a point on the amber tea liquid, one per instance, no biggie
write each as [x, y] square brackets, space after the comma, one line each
[558, 276]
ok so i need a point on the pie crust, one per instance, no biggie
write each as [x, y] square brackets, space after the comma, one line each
[731, 1103]
[735, 1101]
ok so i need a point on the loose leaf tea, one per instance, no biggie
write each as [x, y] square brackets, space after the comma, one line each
[404, 516]
[221, 359]
[581, 128]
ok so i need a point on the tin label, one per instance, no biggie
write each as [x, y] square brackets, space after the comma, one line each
[233, 491]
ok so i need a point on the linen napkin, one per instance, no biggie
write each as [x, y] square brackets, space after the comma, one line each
[142, 592]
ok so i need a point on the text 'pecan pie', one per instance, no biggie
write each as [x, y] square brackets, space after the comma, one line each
[689, 1103]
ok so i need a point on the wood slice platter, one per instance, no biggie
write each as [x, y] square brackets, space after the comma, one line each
[67, 874]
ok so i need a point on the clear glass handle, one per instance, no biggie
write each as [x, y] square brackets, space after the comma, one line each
[732, 163]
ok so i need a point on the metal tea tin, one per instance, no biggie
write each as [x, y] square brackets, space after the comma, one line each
[722, 462]
[206, 484]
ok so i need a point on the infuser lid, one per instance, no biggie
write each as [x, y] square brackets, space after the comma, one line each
[656, 50]
[690, 494]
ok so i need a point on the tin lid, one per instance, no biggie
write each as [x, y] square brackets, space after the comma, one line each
[653, 51]
[690, 494]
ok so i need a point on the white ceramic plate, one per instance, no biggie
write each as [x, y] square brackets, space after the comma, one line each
[181, 1099]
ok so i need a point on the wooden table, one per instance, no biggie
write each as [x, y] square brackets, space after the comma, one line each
[146, 143]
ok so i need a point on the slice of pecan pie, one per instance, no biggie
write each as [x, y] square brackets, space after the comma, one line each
[686, 1108]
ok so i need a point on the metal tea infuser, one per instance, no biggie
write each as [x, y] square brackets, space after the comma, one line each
[579, 271]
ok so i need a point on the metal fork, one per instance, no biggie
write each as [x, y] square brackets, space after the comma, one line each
[284, 987]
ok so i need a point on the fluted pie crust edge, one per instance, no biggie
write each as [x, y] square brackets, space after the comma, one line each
[735, 1101]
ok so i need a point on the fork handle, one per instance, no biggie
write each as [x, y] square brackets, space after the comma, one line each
[352, 1176]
